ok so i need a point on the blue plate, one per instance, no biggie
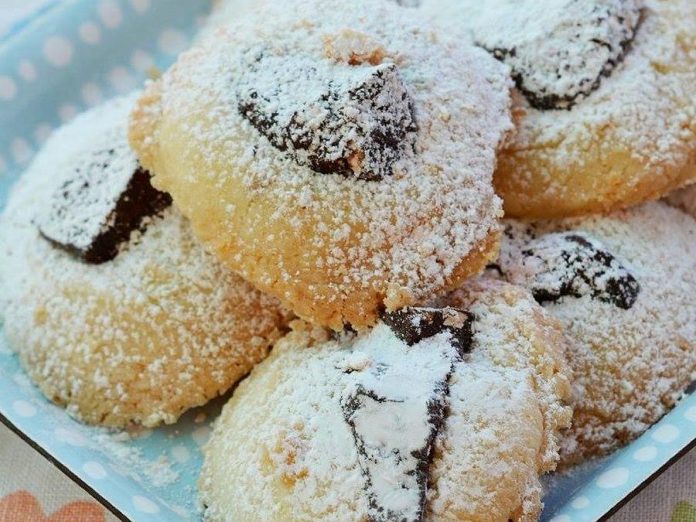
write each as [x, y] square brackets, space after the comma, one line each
[71, 57]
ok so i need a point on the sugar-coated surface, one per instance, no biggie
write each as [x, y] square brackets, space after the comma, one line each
[630, 140]
[334, 249]
[140, 339]
[283, 438]
[80, 215]
[631, 364]
[559, 51]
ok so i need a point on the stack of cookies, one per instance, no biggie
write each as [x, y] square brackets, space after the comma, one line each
[441, 221]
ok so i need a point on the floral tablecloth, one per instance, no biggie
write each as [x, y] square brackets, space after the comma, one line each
[33, 490]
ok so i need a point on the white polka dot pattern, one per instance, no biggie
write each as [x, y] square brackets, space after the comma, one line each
[580, 502]
[70, 437]
[613, 478]
[67, 112]
[58, 51]
[21, 150]
[181, 453]
[172, 42]
[90, 33]
[27, 71]
[98, 27]
[8, 88]
[42, 132]
[665, 433]
[122, 80]
[24, 408]
[140, 5]
[110, 13]
[91, 94]
[691, 414]
[94, 470]
[141, 60]
[645, 454]
[561, 518]
[145, 505]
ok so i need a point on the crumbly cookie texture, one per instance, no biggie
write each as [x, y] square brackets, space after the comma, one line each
[622, 286]
[631, 138]
[449, 416]
[366, 184]
[140, 338]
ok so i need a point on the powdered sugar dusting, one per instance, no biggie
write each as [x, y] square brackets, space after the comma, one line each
[555, 266]
[407, 232]
[631, 363]
[129, 459]
[157, 330]
[394, 427]
[78, 221]
[353, 121]
[645, 107]
[558, 50]
[505, 407]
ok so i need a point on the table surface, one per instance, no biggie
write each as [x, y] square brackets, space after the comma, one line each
[33, 490]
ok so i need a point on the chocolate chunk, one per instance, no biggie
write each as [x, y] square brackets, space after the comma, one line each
[356, 121]
[395, 408]
[572, 264]
[579, 43]
[691, 388]
[413, 324]
[105, 198]
[495, 267]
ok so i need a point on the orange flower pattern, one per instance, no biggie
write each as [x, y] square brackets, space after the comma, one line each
[22, 506]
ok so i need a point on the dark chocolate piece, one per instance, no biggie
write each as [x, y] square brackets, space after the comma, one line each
[691, 388]
[395, 409]
[562, 75]
[414, 324]
[106, 198]
[572, 264]
[356, 121]
[495, 267]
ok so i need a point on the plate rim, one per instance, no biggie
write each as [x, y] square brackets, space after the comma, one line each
[43, 452]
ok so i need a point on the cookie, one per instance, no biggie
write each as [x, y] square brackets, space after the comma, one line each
[341, 162]
[439, 413]
[604, 100]
[622, 286]
[116, 311]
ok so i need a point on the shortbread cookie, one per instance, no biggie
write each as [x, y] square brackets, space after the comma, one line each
[116, 311]
[605, 105]
[623, 286]
[338, 156]
[435, 414]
